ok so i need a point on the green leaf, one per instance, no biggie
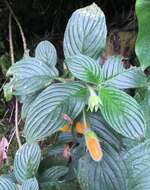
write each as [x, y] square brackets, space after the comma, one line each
[122, 112]
[7, 184]
[84, 68]
[112, 67]
[103, 130]
[143, 40]
[109, 173]
[26, 162]
[46, 114]
[30, 184]
[85, 32]
[138, 164]
[145, 104]
[31, 75]
[53, 174]
[46, 52]
[115, 75]
[130, 78]
[27, 103]
[142, 181]
[138, 158]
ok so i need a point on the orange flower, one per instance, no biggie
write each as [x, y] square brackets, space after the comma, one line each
[80, 128]
[66, 128]
[93, 145]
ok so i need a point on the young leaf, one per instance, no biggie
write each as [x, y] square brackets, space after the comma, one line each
[31, 75]
[46, 114]
[84, 68]
[109, 173]
[7, 184]
[46, 52]
[143, 40]
[30, 184]
[122, 112]
[86, 32]
[26, 162]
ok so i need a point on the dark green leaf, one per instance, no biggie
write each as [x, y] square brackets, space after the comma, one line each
[122, 112]
[53, 174]
[103, 130]
[86, 32]
[143, 40]
[46, 114]
[109, 173]
[26, 162]
[46, 52]
[84, 68]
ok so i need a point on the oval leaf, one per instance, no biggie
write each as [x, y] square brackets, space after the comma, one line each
[46, 114]
[129, 78]
[53, 173]
[143, 40]
[138, 163]
[31, 75]
[122, 112]
[112, 67]
[85, 32]
[84, 68]
[115, 75]
[103, 130]
[109, 173]
[7, 184]
[30, 184]
[46, 52]
[26, 162]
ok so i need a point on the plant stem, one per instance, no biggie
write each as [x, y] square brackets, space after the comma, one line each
[12, 61]
[19, 26]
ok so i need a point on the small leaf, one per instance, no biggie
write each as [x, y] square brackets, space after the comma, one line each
[53, 173]
[85, 32]
[30, 184]
[122, 112]
[84, 68]
[109, 173]
[46, 52]
[26, 162]
[31, 75]
[143, 40]
[7, 184]
[55, 101]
